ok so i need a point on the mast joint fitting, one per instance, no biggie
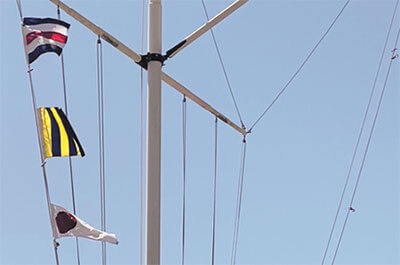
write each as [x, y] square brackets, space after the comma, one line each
[146, 58]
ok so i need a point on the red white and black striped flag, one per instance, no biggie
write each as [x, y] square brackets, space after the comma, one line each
[43, 35]
[65, 223]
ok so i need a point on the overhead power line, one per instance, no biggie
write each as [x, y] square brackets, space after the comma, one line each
[350, 209]
[359, 137]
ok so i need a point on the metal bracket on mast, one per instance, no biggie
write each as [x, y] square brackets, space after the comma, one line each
[169, 54]
[175, 48]
[146, 58]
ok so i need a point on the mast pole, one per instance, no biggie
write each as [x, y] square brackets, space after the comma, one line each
[154, 135]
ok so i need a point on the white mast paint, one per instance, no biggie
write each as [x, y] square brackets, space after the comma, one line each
[154, 137]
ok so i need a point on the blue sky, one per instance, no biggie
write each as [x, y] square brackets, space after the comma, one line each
[297, 156]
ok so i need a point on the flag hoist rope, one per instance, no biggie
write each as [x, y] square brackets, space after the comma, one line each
[69, 158]
[350, 209]
[355, 151]
[43, 162]
[101, 143]
[19, 9]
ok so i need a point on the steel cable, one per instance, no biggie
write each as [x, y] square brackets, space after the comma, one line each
[183, 176]
[69, 158]
[300, 67]
[101, 143]
[215, 190]
[142, 136]
[238, 202]
[223, 68]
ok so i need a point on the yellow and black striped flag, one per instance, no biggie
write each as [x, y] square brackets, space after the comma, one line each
[58, 137]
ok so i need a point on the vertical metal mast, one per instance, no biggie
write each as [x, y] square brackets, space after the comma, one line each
[154, 134]
[153, 61]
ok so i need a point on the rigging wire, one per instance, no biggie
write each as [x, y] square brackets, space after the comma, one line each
[393, 57]
[101, 142]
[359, 136]
[19, 9]
[215, 190]
[223, 68]
[238, 202]
[300, 67]
[42, 160]
[183, 176]
[142, 136]
[69, 158]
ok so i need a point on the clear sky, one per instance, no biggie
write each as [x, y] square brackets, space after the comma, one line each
[297, 156]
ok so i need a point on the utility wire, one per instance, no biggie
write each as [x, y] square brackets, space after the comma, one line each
[183, 176]
[69, 158]
[359, 137]
[223, 68]
[101, 142]
[300, 67]
[215, 190]
[238, 202]
[393, 57]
